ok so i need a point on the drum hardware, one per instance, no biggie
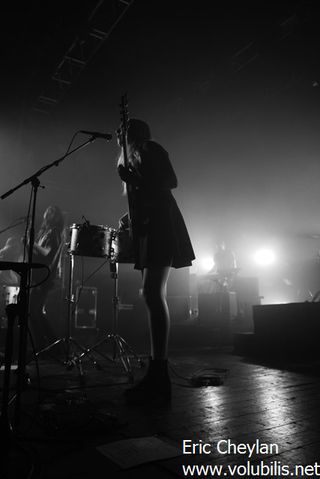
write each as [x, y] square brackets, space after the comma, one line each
[105, 242]
[95, 241]
[121, 349]
[71, 345]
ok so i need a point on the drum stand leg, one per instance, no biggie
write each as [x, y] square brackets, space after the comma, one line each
[71, 345]
[122, 351]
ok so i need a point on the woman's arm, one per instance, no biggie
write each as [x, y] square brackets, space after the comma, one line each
[156, 168]
[129, 175]
[41, 250]
[47, 247]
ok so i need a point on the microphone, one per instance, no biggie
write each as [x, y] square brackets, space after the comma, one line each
[97, 134]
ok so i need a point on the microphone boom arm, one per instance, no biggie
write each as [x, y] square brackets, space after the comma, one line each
[30, 179]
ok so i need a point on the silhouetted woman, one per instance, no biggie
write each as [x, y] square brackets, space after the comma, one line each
[161, 242]
[47, 250]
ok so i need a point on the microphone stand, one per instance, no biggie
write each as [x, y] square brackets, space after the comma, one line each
[17, 223]
[25, 294]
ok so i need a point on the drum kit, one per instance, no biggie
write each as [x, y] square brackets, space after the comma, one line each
[115, 246]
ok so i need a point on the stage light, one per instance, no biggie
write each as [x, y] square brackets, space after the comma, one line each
[264, 257]
[206, 263]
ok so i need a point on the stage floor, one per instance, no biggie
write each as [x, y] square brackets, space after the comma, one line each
[259, 413]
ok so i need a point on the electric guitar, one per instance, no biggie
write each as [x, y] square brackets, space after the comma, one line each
[124, 125]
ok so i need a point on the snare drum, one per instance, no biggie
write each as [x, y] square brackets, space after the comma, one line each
[90, 240]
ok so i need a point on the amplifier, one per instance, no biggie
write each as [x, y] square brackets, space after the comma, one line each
[86, 307]
[295, 322]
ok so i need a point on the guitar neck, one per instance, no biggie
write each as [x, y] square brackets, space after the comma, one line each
[124, 130]
[125, 149]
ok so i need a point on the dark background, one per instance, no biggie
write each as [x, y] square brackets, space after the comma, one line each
[230, 89]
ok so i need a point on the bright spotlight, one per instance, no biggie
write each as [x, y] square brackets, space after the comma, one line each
[206, 263]
[264, 257]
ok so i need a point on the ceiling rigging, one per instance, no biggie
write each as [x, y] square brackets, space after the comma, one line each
[101, 22]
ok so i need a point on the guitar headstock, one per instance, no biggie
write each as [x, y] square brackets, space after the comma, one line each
[124, 114]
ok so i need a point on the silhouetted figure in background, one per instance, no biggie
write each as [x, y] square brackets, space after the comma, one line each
[47, 250]
[225, 269]
[225, 265]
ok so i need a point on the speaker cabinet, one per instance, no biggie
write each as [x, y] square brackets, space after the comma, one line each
[293, 326]
[86, 307]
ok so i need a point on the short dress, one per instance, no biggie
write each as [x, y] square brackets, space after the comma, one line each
[160, 235]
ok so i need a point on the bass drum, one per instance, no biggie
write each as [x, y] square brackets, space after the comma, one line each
[123, 251]
[90, 240]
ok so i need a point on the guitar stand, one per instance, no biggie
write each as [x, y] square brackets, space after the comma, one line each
[122, 351]
[71, 345]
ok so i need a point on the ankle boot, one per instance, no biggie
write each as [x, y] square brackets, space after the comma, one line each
[155, 387]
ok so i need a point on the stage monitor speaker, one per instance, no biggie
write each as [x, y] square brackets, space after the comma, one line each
[292, 324]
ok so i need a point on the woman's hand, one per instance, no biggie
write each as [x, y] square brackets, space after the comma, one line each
[124, 173]
[124, 222]
[128, 175]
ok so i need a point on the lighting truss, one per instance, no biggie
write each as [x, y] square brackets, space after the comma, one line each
[102, 21]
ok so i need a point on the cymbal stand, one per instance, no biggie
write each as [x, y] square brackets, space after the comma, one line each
[122, 351]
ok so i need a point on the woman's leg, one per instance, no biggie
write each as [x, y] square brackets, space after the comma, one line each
[155, 387]
[154, 286]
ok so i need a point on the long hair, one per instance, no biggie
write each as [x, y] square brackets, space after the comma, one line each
[52, 219]
[138, 132]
